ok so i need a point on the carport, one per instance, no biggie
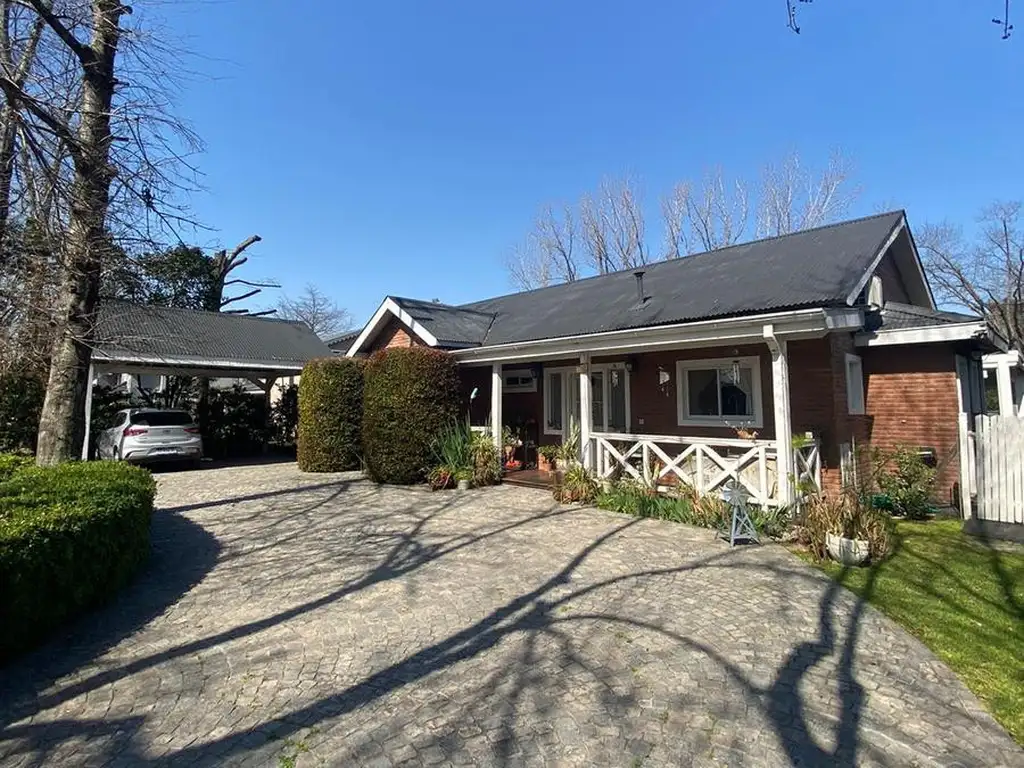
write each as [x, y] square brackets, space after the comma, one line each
[141, 339]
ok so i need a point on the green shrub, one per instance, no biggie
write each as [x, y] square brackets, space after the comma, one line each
[70, 537]
[10, 463]
[684, 505]
[486, 460]
[905, 480]
[234, 423]
[284, 415]
[21, 400]
[330, 415]
[411, 395]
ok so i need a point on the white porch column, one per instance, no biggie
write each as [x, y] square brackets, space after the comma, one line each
[88, 413]
[783, 415]
[497, 380]
[1004, 388]
[586, 412]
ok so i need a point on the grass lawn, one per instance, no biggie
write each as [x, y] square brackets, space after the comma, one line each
[964, 599]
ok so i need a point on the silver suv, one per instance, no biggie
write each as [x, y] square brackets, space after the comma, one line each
[144, 435]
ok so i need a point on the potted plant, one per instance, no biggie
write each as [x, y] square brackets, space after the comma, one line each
[547, 458]
[509, 442]
[441, 477]
[848, 529]
[463, 478]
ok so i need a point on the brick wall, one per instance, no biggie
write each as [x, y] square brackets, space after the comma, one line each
[394, 334]
[911, 400]
[653, 405]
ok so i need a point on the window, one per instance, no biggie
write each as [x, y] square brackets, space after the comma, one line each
[724, 391]
[854, 385]
[553, 399]
[609, 398]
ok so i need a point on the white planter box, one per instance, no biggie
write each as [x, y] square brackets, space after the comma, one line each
[847, 551]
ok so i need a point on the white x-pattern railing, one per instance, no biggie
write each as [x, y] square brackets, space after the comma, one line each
[705, 464]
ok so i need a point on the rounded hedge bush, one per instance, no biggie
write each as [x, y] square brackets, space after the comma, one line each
[70, 537]
[330, 415]
[411, 395]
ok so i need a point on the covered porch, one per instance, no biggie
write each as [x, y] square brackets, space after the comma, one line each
[703, 412]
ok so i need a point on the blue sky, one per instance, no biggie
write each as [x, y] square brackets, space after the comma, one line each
[404, 147]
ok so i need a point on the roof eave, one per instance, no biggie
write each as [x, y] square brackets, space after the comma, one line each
[978, 331]
[804, 323]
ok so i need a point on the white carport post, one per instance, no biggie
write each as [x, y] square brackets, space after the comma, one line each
[783, 415]
[88, 412]
[496, 418]
[586, 411]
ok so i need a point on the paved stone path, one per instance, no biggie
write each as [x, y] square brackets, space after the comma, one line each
[290, 619]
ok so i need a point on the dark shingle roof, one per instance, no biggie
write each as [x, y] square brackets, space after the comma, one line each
[450, 325]
[162, 333]
[340, 342]
[815, 268]
[898, 317]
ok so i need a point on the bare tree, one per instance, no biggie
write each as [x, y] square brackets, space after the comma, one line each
[99, 154]
[983, 274]
[704, 217]
[550, 252]
[317, 310]
[612, 226]
[794, 198]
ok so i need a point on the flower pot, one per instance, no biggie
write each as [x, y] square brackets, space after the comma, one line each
[847, 551]
[463, 485]
[545, 464]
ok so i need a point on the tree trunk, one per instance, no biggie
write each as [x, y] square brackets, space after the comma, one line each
[62, 422]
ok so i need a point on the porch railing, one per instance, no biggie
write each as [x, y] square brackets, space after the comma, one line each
[705, 464]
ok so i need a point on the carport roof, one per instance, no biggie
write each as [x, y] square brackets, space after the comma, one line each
[174, 338]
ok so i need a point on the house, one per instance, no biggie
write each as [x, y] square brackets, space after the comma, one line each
[758, 362]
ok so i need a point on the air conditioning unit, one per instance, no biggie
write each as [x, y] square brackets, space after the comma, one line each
[519, 380]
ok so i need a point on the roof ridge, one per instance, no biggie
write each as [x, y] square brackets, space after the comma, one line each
[441, 304]
[902, 212]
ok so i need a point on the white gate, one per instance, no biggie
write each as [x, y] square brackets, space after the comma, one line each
[996, 473]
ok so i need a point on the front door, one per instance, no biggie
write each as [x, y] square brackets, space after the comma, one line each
[608, 400]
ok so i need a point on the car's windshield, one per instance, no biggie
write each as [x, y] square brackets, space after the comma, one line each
[161, 418]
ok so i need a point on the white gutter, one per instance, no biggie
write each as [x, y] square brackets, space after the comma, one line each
[192, 362]
[807, 323]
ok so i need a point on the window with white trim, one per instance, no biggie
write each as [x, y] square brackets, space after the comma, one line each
[854, 385]
[720, 391]
[609, 398]
[554, 397]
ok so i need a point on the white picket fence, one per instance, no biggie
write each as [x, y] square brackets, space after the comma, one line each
[705, 464]
[992, 468]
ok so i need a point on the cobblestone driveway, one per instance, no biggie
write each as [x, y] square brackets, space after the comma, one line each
[320, 620]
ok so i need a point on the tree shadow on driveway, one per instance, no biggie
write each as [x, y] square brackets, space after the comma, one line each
[564, 625]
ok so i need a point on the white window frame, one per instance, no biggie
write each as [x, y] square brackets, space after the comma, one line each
[605, 369]
[565, 372]
[855, 402]
[684, 418]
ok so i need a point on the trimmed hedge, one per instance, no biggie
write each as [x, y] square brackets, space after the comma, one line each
[330, 415]
[70, 537]
[411, 396]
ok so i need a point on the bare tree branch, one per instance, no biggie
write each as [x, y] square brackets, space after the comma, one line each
[313, 307]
